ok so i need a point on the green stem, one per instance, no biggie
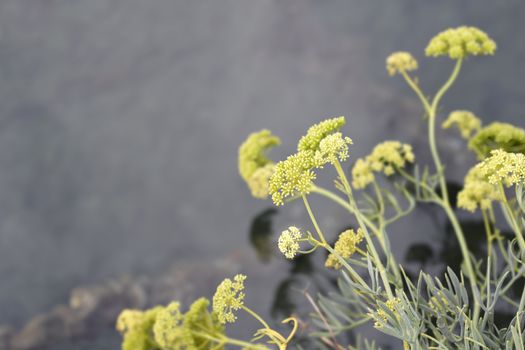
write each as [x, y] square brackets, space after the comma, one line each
[510, 214]
[225, 340]
[256, 316]
[432, 129]
[417, 90]
[488, 231]
[445, 203]
[314, 221]
[343, 262]
[360, 221]
[447, 85]
[380, 200]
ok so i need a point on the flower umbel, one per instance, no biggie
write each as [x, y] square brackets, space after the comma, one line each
[332, 148]
[466, 122]
[135, 326]
[317, 132]
[503, 167]
[253, 161]
[228, 298]
[477, 191]
[497, 135]
[168, 330]
[259, 181]
[292, 176]
[345, 247]
[386, 157]
[196, 319]
[460, 42]
[400, 61]
[288, 242]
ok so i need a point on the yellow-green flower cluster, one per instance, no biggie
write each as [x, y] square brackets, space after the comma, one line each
[332, 148]
[345, 247]
[228, 298]
[477, 191]
[288, 242]
[165, 327]
[460, 42]
[136, 326]
[254, 165]
[292, 176]
[399, 62]
[391, 304]
[498, 136]
[386, 157]
[259, 181]
[465, 121]
[503, 168]
[317, 132]
[322, 144]
[199, 318]
[168, 329]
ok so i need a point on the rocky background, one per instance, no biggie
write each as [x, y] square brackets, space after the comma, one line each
[120, 122]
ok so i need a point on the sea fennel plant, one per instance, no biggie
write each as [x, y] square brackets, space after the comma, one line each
[457, 310]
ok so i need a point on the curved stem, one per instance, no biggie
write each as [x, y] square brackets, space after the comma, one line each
[314, 221]
[226, 340]
[256, 316]
[432, 129]
[417, 90]
[445, 203]
[295, 326]
[447, 85]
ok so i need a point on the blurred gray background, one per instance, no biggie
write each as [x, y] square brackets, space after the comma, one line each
[120, 119]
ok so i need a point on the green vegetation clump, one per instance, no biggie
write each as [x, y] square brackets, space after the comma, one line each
[454, 311]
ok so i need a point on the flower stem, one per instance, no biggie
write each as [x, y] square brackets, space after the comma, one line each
[256, 316]
[512, 218]
[314, 221]
[444, 200]
[369, 241]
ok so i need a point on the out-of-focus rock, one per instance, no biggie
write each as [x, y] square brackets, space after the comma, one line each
[5, 336]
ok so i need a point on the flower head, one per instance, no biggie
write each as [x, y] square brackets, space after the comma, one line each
[252, 158]
[197, 318]
[503, 167]
[135, 326]
[465, 121]
[259, 181]
[228, 298]
[288, 242]
[477, 191]
[345, 247]
[386, 157]
[400, 61]
[362, 174]
[168, 330]
[292, 176]
[332, 148]
[317, 132]
[503, 136]
[460, 42]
